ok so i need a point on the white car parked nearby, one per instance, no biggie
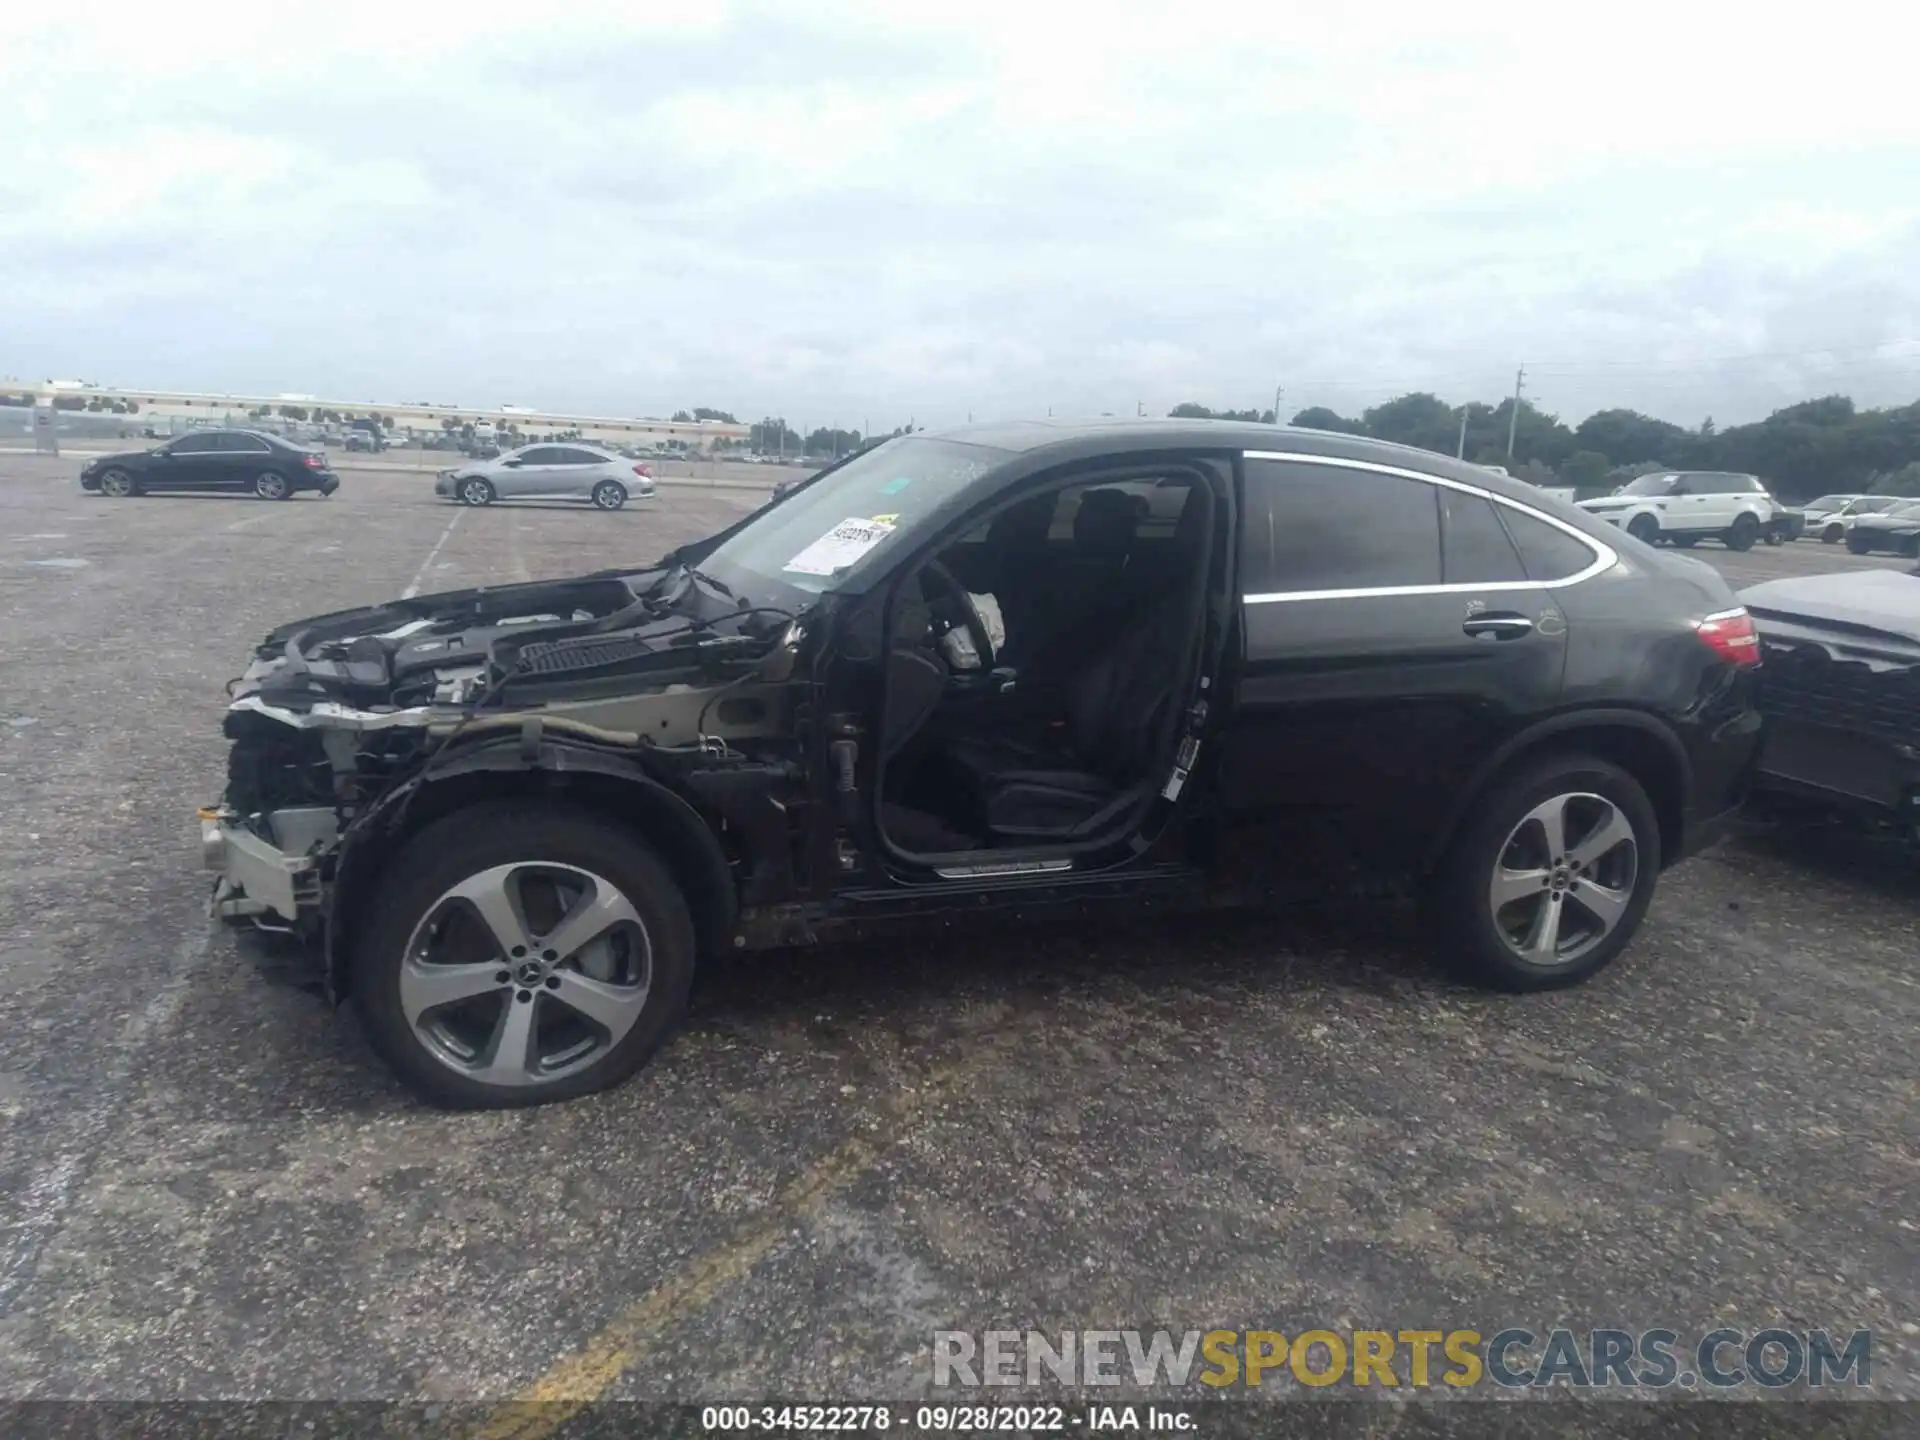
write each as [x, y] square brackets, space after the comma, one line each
[566, 472]
[1687, 506]
[1832, 516]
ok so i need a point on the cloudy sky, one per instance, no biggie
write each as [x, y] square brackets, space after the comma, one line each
[856, 213]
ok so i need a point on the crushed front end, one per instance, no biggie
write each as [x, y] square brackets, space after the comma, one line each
[337, 716]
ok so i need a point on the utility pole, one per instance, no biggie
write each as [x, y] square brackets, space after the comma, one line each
[1513, 420]
[1278, 391]
[1139, 408]
[1460, 450]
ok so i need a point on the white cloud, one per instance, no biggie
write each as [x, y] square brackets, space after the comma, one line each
[944, 207]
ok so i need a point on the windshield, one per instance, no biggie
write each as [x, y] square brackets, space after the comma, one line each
[1649, 485]
[1905, 509]
[1869, 507]
[1828, 502]
[833, 526]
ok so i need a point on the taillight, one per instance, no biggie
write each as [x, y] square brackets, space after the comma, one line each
[1731, 636]
[312, 462]
[643, 471]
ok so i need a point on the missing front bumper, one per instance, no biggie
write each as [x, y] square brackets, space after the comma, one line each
[277, 882]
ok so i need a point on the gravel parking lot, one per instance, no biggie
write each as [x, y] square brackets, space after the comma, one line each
[212, 1189]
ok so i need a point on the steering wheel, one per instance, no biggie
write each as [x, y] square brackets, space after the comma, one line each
[945, 580]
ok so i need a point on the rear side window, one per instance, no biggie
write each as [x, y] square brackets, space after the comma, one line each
[1475, 548]
[1321, 527]
[580, 457]
[1549, 552]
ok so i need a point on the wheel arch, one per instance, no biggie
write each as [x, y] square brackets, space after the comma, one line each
[497, 770]
[1639, 743]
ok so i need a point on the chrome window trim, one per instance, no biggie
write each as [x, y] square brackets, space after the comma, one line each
[1605, 557]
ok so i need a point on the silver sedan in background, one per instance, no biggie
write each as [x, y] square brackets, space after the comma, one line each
[548, 472]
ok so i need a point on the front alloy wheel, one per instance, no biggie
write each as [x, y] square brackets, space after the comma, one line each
[1645, 529]
[476, 491]
[118, 484]
[518, 952]
[526, 972]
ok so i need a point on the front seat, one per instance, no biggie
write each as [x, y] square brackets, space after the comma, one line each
[1120, 707]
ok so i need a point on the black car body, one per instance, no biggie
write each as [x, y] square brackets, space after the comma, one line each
[234, 461]
[1840, 691]
[1894, 531]
[1003, 671]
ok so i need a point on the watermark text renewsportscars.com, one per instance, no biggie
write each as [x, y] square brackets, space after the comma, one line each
[1513, 1358]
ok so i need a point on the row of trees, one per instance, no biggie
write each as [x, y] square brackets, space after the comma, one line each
[93, 404]
[1813, 448]
[773, 436]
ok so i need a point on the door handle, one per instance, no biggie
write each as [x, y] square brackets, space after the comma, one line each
[1498, 627]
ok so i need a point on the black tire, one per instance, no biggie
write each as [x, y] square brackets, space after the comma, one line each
[272, 485]
[475, 490]
[1743, 532]
[1644, 528]
[1858, 543]
[119, 484]
[609, 495]
[1458, 896]
[467, 842]
[1776, 537]
[1833, 534]
[1686, 542]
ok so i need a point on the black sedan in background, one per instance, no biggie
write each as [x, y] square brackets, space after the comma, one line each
[234, 461]
[1895, 530]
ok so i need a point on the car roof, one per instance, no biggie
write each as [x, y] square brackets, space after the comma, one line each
[1055, 441]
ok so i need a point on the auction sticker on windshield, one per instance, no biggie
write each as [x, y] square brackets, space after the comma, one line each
[841, 546]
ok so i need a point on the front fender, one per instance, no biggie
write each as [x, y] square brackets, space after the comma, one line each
[532, 764]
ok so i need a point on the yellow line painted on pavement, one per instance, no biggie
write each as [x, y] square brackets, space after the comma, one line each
[581, 1378]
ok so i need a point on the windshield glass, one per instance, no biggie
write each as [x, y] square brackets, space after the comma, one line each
[1905, 509]
[831, 527]
[1869, 507]
[1649, 485]
[1828, 502]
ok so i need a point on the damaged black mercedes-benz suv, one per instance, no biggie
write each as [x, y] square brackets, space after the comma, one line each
[1007, 671]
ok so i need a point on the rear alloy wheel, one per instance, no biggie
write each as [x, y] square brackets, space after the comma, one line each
[1858, 543]
[521, 952]
[271, 485]
[119, 484]
[476, 491]
[1744, 532]
[1552, 877]
[1833, 534]
[1644, 528]
[609, 494]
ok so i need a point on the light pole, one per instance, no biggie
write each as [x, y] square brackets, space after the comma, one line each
[1278, 391]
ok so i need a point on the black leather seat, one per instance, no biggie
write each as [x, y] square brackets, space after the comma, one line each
[1120, 705]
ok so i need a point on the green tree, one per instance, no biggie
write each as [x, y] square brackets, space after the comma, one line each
[724, 417]
[1319, 417]
[1904, 481]
[682, 417]
[1584, 470]
[293, 412]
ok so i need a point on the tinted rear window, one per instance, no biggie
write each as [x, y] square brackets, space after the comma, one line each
[1549, 552]
[1476, 550]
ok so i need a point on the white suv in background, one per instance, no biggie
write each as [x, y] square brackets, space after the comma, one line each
[1687, 506]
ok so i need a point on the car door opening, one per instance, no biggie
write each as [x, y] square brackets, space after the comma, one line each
[1040, 669]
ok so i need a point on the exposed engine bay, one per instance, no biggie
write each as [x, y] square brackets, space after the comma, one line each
[659, 672]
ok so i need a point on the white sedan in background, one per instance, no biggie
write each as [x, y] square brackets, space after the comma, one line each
[548, 472]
